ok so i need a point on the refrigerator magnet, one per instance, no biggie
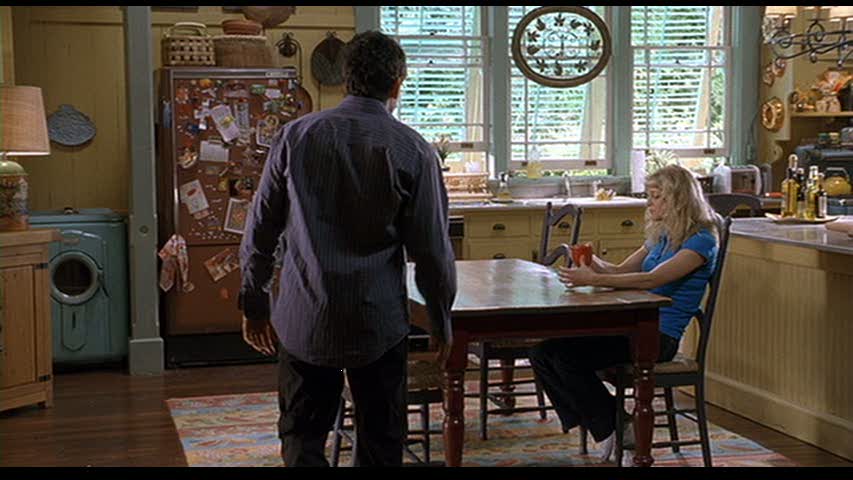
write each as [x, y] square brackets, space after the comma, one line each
[266, 130]
[243, 119]
[235, 216]
[182, 95]
[221, 264]
[225, 123]
[193, 196]
[188, 158]
[205, 83]
[202, 214]
[212, 151]
[236, 90]
[258, 89]
[273, 93]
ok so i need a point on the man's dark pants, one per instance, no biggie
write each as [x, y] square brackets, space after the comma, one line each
[309, 396]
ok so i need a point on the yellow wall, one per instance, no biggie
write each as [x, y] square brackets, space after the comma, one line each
[775, 147]
[76, 54]
[7, 63]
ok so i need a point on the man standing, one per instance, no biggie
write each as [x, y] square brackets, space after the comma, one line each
[352, 190]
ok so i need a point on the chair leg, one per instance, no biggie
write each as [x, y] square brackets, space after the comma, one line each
[540, 395]
[425, 428]
[339, 425]
[584, 438]
[620, 421]
[507, 376]
[354, 458]
[703, 423]
[484, 394]
[671, 419]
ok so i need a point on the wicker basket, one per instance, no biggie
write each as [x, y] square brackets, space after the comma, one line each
[188, 44]
[242, 51]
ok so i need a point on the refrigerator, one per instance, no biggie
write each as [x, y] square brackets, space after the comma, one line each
[215, 129]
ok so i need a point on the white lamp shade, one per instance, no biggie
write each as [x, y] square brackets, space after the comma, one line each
[841, 12]
[780, 11]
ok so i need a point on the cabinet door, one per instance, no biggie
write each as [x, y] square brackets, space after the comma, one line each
[500, 249]
[616, 251]
[621, 222]
[17, 327]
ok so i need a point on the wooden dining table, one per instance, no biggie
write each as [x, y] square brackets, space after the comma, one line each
[518, 299]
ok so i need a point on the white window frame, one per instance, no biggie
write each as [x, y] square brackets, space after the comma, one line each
[728, 50]
[483, 146]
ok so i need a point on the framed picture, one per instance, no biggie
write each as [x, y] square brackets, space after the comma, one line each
[236, 215]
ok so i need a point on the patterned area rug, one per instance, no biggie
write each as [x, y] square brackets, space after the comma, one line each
[240, 431]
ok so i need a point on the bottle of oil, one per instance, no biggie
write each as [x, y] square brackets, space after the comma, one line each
[821, 198]
[789, 189]
[811, 193]
[801, 194]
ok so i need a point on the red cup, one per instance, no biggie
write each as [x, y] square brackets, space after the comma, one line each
[582, 254]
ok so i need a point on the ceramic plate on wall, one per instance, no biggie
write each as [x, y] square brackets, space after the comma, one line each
[70, 127]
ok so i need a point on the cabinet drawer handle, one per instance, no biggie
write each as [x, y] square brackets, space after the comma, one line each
[499, 256]
[628, 223]
[604, 252]
[565, 226]
[499, 227]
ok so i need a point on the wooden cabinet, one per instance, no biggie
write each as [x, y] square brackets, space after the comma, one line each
[26, 354]
[615, 233]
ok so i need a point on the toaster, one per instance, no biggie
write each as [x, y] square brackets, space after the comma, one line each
[747, 179]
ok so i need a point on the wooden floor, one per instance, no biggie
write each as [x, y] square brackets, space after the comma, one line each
[108, 418]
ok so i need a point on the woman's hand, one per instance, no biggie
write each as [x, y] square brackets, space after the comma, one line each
[578, 277]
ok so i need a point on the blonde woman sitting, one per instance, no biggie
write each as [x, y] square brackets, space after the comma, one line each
[677, 261]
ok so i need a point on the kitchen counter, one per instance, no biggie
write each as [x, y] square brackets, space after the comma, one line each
[540, 203]
[780, 353]
[808, 236]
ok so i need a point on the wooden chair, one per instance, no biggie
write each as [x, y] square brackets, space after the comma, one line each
[424, 389]
[508, 351]
[725, 204]
[680, 372]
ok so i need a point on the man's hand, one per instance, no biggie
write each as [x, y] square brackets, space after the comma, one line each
[443, 351]
[260, 335]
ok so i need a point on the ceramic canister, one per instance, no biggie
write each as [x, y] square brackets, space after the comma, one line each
[13, 197]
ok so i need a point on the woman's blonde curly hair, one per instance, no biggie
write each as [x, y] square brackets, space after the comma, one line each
[687, 210]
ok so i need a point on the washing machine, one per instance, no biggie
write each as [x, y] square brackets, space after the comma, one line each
[89, 285]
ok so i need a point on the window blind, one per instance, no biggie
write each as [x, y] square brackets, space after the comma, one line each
[563, 127]
[681, 69]
[444, 93]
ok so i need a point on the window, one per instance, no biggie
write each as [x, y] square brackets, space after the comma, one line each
[445, 92]
[681, 72]
[565, 128]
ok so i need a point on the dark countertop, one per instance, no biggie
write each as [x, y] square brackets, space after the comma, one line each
[808, 236]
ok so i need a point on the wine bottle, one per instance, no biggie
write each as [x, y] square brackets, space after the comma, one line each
[811, 193]
[801, 194]
[822, 198]
[789, 189]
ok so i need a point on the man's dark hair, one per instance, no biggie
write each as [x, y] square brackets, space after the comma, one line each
[372, 63]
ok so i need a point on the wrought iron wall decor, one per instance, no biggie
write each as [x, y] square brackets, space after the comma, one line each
[561, 46]
[829, 31]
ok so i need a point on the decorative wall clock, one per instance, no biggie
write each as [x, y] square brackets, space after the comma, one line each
[561, 46]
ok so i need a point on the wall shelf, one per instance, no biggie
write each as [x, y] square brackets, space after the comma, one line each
[821, 115]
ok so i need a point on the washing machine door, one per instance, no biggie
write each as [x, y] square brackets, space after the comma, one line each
[74, 278]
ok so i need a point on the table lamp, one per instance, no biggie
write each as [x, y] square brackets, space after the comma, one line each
[23, 133]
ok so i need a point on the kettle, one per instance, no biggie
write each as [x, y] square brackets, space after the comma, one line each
[837, 182]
